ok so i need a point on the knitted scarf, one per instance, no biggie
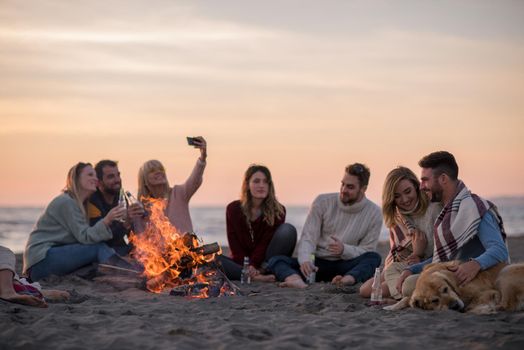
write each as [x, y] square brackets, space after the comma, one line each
[459, 221]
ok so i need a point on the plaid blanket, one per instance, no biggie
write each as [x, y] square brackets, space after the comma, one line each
[400, 238]
[459, 221]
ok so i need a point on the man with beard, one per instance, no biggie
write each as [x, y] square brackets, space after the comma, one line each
[105, 198]
[341, 233]
[468, 229]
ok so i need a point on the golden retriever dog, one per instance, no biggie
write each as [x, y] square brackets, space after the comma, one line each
[498, 288]
[510, 284]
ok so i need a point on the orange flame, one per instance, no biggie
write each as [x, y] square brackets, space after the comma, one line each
[165, 252]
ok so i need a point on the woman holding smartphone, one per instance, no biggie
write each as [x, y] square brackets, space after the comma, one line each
[153, 183]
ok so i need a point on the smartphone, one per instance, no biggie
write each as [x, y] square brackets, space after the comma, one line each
[192, 141]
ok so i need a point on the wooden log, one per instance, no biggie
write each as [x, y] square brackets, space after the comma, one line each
[207, 249]
[111, 269]
[122, 277]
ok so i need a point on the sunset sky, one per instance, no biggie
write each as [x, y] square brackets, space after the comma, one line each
[304, 87]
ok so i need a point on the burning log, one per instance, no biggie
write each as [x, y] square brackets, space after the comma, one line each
[204, 250]
[207, 249]
[185, 290]
[182, 268]
[174, 260]
[215, 284]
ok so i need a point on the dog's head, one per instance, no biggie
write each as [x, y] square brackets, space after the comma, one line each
[437, 289]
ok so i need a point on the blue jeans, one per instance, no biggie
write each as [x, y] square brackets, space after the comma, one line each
[61, 260]
[361, 268]
[283, 243]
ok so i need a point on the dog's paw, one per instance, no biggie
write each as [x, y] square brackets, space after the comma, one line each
[402, 304]
[484, 309]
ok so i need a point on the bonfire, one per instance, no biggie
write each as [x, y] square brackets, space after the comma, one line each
[177, 261]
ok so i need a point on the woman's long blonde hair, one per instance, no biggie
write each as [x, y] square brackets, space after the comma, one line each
[388, 194]
[143, 185]
[271, 208]
[72, 187]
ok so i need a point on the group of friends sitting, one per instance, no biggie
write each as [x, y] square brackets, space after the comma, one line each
[432, 219]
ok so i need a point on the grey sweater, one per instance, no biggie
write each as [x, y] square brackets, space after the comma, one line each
[61, 223]
[357, 226]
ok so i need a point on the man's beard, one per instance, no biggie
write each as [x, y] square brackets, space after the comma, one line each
[436, 195]
[348, 200]
[112, 191]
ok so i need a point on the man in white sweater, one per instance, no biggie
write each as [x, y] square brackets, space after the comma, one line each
[340, 234]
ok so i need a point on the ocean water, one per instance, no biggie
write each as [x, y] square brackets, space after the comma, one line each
[210, 224]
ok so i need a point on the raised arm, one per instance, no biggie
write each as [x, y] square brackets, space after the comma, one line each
[193, 182]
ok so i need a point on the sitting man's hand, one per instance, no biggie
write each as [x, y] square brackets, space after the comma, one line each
[466, 272]
[307, 267]
[336, 247]
[117, 213]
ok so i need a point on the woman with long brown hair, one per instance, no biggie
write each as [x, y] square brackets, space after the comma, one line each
[256, 226]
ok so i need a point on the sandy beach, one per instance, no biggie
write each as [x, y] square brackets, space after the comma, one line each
[106, 315]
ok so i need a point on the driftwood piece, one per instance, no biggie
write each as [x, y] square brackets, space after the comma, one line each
[111, 269]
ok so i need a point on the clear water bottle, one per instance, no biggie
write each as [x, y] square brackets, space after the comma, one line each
[245, 278]
[122, 201]
[376, 288]
[313, 275]
[132, 200]
[122, 198]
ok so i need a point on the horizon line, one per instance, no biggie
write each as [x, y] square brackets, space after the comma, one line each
[216, 205]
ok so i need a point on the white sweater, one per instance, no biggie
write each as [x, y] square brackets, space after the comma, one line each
[357, 226]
